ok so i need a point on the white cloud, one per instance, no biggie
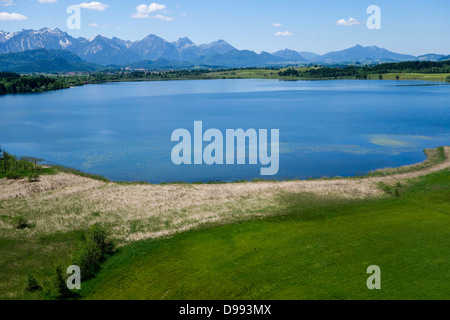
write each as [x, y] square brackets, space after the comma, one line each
[93, 6]
[6, 3]
[348, 23]
[284, 34]
[143, 11]
[277, 25]
[5, 16]
[163, 17]
[48, 1]
[155, 7]
[96, 25]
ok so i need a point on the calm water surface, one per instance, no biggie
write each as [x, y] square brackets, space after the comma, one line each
[327, 128]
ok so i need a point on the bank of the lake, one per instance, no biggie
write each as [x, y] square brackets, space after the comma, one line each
[297, 219]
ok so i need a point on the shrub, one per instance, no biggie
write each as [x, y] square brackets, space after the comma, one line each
[92, 251]
[391, 190]
[33, 177]
[60, 290]
[21, 223]
[13, 176]
[386, 188]
[87, 257]
[32, 284]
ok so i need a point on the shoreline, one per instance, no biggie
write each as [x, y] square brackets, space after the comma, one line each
[429, 153]
[59, 208]
[66, 202]
[441, 78]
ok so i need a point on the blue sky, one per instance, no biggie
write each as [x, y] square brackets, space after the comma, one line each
[413, 27]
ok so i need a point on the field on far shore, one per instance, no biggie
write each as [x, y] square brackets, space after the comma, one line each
[252, 240]
[273, 74]
[412, 76]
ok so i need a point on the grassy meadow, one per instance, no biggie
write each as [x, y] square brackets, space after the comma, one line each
[317, 248]
[255, 240]
[411, 76]
[274, 74]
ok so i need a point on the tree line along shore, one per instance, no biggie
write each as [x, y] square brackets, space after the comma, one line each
[11, 83]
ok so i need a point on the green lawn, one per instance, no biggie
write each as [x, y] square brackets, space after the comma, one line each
[318, 249]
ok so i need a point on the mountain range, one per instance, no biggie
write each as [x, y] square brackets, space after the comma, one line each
[155, 52]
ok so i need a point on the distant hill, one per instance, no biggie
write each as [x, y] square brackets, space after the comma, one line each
[364, 54]
[238, 59]
[44, 61]
[430, 57]
[445, 58]
[289, 55]
[310, 56]
[160, 64]
[357, 53]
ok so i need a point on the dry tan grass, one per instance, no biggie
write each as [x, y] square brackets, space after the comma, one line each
[64, 202]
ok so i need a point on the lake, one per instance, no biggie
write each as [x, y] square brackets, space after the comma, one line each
[327, 128]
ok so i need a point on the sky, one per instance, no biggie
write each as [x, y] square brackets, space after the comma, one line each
[320, 26]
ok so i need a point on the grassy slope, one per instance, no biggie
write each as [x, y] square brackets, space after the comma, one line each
[38, 256]
[317, 250]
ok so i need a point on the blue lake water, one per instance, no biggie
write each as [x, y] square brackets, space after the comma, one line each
[327, 128]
